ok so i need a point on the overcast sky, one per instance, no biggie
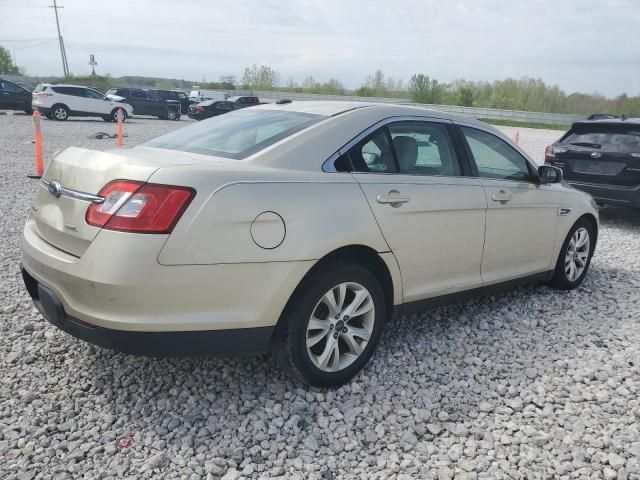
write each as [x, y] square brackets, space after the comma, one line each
[582, 45]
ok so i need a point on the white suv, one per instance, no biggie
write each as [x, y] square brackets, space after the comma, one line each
[59, 102]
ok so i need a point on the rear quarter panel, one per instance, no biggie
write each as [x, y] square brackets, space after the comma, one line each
[321, 212]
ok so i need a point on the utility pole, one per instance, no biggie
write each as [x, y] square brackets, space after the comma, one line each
[63, 53]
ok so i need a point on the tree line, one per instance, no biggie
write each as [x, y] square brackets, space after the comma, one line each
[526, 93]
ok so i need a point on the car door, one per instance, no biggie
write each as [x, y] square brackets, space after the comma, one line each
[11, 96]
[139, 102]
[96, 102]
[72, 97]
[522, 214]
[430, 213]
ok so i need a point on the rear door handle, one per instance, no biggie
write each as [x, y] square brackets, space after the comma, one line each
[502, 196]
[393, 198]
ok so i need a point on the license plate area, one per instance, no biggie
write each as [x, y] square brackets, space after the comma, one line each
[594, 167]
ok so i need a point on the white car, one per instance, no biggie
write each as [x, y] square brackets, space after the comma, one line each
[59, 102]
[297, 228]
[197, 95]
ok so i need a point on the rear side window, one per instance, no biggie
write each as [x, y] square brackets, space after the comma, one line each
[237, 134]
[373, 154]
[424, 148]
[138, 94]
[608, 138]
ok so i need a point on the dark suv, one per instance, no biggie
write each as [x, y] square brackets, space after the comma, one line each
[176, 95]
[601, 157]
[146, 102]
[14, 97]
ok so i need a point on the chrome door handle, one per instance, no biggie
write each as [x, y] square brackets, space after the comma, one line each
[502, 196]
[393, 198]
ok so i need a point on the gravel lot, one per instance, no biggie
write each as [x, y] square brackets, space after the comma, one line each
[532, 383]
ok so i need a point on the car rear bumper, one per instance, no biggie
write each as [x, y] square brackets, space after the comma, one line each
[118, 285]
[622, 196]
[230, 342]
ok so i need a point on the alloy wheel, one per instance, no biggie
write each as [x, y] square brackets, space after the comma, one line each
[575, 260]
[60, 113]
[340, 327]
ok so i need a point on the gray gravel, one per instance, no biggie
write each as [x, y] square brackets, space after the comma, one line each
[532, 383]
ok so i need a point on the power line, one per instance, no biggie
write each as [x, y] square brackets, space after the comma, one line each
[63, 53]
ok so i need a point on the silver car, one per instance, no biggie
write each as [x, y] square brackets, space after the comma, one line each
[298, 229]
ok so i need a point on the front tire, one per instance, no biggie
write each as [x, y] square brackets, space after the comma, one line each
[114, 115]
[60, 112]
[575, 256]
[332, 325]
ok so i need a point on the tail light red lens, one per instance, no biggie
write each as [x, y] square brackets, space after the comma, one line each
[139, 207]
[199, 108]
[551, 152]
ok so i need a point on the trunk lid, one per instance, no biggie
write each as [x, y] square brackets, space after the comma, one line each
[60, 221]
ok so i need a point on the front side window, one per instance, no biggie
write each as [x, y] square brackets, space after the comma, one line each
[373, 154]
[89, 93]
[495, 158]
[237, 134]
[424, 148]
[8, 87]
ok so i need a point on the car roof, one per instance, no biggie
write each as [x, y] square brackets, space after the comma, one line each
[609, 121]
[332, 108]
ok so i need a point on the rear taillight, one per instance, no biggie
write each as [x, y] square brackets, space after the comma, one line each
[199, 108]
[551, 152]
[139, 207]
[43, 94]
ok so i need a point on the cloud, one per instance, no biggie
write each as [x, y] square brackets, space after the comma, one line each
[582, 46]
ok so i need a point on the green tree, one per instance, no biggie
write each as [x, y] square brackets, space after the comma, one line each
[425, 90]
[260, 78]
[6, 63]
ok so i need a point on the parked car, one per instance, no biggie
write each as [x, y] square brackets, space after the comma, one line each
[26, 86]
[197, 95]
[145, 102]
[14, 97]
[245, 101]
[211, 108]
[175, 95]
[298, 228]
[601, 116]
[601, 157]
[59, 102]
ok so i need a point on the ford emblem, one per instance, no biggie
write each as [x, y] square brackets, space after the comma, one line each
[55, 188]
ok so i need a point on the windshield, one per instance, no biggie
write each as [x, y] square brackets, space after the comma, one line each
[237, 134]
[606, 138]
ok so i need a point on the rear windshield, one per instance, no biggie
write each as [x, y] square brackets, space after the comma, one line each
[609, 138]
[40, 88]
[236, 134]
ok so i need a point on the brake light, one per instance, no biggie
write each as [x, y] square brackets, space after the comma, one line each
[199, 108]
[139, 207]
[551, 152]
[43, 94]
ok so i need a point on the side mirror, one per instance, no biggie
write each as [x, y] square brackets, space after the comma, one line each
[549, 174]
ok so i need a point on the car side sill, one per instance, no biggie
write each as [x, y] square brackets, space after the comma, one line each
[457, 297]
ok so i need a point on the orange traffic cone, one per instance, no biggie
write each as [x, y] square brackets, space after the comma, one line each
[120, 127]
[38, 145]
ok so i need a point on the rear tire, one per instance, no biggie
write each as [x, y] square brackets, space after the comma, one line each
[326, 343]
[575, 256]
[60, 112]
